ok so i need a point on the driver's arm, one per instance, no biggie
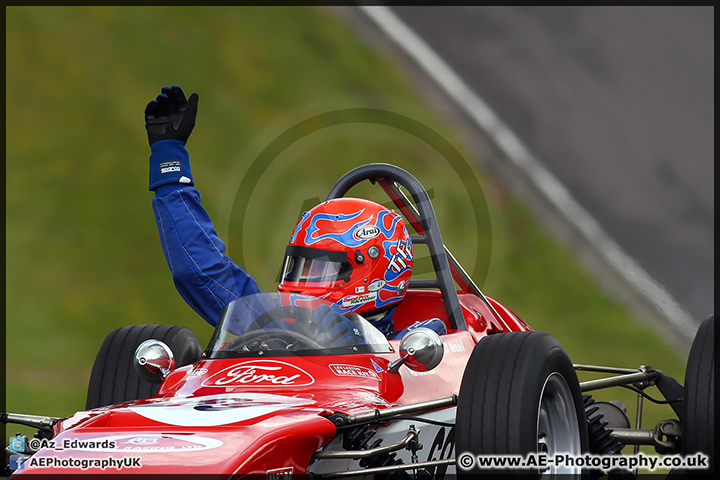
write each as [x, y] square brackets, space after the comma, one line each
[434, 324]
[204, 276]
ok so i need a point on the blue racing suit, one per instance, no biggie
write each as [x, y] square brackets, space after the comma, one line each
[204, 276]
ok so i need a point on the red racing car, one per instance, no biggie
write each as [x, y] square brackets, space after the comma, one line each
[271, 396]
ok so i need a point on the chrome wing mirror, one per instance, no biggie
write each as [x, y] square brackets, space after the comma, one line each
[420, 349]
[153, 361]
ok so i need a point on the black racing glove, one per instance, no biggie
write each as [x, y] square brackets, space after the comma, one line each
[170, 116]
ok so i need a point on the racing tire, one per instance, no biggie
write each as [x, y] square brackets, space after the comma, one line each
[698, 427]
[113, 378]
[517, 391]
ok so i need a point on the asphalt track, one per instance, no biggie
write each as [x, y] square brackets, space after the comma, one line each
[617, 104]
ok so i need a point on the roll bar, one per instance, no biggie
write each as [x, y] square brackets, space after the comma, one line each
[423, 219]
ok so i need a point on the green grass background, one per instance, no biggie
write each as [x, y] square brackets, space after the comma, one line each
[83, 255]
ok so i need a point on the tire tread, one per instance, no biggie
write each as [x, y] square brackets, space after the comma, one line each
[113, 378]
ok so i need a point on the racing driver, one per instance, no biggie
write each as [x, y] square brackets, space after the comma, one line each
[353, 252]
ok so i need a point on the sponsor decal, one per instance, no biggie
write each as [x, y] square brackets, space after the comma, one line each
[166, 443]
[361, 399]
[367, 232]
[353, 300]
[378, 368]
[403, 253]
[264, 373]
[151, 442]
[172, 166]
[376, 285]
[197, 373]
[353, 371]
[442, 447]
[145, 440]
[455, 347]
[284, 473]
[359, 289]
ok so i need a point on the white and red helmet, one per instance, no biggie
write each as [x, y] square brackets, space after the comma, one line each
[354, 252]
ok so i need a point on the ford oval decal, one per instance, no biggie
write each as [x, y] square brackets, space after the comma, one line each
[265, 373]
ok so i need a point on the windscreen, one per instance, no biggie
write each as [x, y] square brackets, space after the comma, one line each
[281, 324]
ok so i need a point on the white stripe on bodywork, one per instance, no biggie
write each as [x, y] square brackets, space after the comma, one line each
[214, 410]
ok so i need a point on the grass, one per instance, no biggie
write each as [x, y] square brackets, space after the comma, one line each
[83, 255]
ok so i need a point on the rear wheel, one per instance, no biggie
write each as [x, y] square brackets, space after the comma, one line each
[698, 427]
[113, 378]
[520, 395]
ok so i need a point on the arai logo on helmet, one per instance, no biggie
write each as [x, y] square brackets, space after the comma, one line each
[368, 232]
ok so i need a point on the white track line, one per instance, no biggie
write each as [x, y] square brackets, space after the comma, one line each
[545, 181]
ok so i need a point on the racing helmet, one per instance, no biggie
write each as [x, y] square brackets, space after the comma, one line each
[351, 251]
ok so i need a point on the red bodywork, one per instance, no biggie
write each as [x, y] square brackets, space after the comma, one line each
[255, 415]
[265, 423]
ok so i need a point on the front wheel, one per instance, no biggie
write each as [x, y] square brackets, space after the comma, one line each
[520, 395]
[113, 378]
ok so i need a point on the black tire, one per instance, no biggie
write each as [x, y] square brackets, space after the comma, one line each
[698, 427]
[113, 378]
[500, 398]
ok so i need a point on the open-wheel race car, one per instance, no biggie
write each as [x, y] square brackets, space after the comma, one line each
[272, 395]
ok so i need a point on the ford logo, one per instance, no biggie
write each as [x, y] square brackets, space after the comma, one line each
[266, 373]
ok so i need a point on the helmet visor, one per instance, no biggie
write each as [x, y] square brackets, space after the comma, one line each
[311, 265]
